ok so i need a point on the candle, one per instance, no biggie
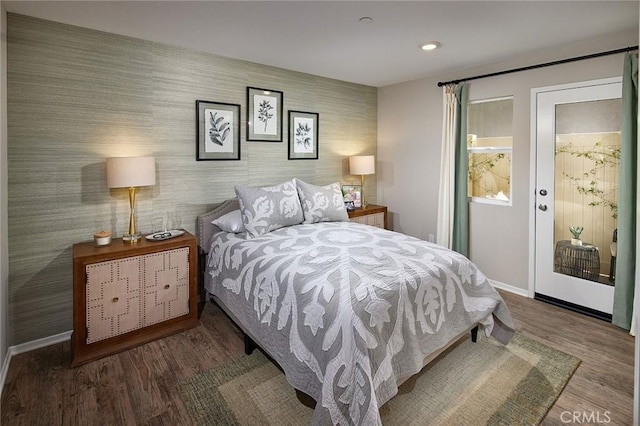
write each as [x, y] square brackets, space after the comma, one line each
[102, 238]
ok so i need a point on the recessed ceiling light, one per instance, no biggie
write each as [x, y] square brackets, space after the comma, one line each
[366, 20]
[430, 45]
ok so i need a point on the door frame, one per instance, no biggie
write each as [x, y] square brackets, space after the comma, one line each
[533, 165]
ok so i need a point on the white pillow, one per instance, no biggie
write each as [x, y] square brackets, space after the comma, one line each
[265, 209]
[322, 203]
[230, 222]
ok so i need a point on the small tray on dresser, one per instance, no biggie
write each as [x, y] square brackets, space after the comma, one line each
[164, 235]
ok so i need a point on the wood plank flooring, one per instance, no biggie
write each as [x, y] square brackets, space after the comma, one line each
[138, 386]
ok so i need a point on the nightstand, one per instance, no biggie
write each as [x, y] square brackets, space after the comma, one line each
[371, 215]
[127, 294]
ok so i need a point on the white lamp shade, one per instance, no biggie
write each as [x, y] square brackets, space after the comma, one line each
[127, 172]
[362, 165]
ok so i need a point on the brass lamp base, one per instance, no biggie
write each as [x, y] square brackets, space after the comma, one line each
[364, 204]
[131, 238]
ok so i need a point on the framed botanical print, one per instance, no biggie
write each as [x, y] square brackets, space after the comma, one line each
[264, 115]
[217, 131]
[303, 135]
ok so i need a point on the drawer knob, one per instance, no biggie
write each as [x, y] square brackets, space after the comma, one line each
[115, 299]
[166, 287]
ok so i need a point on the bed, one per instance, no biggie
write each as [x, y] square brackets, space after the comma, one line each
[348, 311]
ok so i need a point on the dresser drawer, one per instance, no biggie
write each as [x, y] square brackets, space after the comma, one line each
[372, 215]
[376, 219]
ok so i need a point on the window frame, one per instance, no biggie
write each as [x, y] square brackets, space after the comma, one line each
[492, 150]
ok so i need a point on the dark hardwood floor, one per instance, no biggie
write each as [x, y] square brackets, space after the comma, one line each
[138, 386]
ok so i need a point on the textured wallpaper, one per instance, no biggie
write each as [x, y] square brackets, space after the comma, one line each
[77, 96]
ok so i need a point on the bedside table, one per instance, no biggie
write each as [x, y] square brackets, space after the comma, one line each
[373, 215]
[125, 295]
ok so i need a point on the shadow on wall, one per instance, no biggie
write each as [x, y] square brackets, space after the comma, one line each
[391, 216]
[93, 184]
[42, 304]
[384, 174]
[106, 201]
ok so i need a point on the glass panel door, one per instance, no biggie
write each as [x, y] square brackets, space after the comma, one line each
[577, 157]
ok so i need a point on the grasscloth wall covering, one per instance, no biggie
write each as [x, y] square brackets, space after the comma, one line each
[78, 96]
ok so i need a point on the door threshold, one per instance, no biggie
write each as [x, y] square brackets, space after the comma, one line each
[573, 307]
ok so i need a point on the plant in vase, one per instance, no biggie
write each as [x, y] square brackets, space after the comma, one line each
[575, 232]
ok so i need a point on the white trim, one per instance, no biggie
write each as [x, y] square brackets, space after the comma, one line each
[510, 288]
[494, 201]
[576, 85]
[40, 343]
[489, 149]
[480, 101]
[636, 311]
[533, 178]
[30, 346]
[5, 370]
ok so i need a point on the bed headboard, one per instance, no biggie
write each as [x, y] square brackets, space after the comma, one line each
[206, 229]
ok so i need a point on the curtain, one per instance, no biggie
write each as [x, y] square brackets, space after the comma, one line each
[447, 166]
[453, 208]
[460, 238]
[627, 197]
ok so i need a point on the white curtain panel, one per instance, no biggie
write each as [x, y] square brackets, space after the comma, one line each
[447, 167]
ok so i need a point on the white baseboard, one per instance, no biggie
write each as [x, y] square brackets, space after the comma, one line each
[29, 346]
[510, 288]
[5, 369]
[40, 343]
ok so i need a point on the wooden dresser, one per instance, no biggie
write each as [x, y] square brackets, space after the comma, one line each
[373, 215]
[126, 294]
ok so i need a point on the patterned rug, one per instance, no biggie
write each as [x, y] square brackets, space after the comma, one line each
[470, 384]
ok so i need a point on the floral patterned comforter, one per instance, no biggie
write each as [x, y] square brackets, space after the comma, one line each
[348, 309]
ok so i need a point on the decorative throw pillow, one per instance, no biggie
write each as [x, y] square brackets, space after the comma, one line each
[265, 209]
[230, 222]
[322, 203]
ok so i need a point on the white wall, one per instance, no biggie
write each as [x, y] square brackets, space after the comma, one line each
[409, 138]
[4, 254]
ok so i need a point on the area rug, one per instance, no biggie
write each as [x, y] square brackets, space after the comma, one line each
[470, 384]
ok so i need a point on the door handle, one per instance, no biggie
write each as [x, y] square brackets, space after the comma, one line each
[543, 207]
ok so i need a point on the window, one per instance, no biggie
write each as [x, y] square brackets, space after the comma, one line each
[489, 146]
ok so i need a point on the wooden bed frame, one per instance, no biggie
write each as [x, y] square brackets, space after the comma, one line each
[205, 230]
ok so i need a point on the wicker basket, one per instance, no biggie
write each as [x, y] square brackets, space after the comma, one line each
[578, 261]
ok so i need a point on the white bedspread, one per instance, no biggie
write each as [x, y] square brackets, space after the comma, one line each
[348, 309]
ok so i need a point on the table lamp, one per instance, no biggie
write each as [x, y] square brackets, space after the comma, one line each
[362, 165]
[131, 172]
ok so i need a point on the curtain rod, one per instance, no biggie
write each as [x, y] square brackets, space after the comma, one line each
[546, 64]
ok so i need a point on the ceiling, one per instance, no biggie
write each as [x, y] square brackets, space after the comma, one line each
[326, 38]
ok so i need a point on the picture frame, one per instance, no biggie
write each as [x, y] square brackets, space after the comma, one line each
[264, 114]
[303, 135]
[217, 131]
[353, 193]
